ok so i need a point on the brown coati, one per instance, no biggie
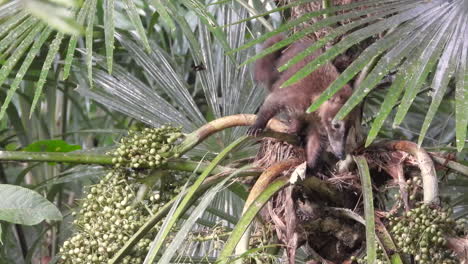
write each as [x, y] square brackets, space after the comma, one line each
[318, 128]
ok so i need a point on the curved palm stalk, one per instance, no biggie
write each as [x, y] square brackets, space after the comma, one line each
[248, 217]
[220, 124]
[268, 176]
[426, 166]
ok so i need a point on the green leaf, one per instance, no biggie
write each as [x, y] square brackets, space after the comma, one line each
[390, 99]
[26, 207]
[353, 39]
[207, 19]
[60, 18]
[321, 24]
[405, 74]
[52, 145]
[109, 29]
[248, 217]
[461, 93]
[369, 213]
[53, 50]
[302, 19]
[184, 230]
[423, 67]
[444, 72]
[89, 40]
[169, 223]
[13, 59]
[8, 25]
[26, 63]
[73, 39]
[135, 18]
[17, 32]
[161, 9]
[12, 146]
[408, 40]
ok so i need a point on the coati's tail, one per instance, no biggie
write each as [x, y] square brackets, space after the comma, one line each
[265, 69]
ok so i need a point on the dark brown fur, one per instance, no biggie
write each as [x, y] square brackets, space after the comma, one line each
[265, 70]
[296, 98]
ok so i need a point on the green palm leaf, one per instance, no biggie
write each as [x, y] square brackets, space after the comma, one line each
[421, 37]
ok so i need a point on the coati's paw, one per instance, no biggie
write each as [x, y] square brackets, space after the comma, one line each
[254, 131]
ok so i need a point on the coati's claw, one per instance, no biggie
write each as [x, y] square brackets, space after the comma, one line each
[254, 131]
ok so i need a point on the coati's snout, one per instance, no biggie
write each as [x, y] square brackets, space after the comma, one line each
[337, 132]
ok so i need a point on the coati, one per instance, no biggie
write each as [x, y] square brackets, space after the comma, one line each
[318, 127]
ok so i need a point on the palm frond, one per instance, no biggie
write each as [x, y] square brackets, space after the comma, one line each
[420, 37]
[227, 89]
[19, 26]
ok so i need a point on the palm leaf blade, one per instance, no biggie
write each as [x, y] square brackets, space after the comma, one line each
[390, 99]
[408, 42]
[461, 93]
[26, 63]
[424, 66]
[321, 24]
[300, 20]
[13, 21]
[207, 19]
[163, 12]
[15, 34]
[53, 50]
[445, 70]
[136, 21]
[89, 40]
[14, 58]
[109, 29]
[355, 38]
[160, 69]
[73, 39]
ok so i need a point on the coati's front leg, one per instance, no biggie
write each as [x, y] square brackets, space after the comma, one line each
[272, 106]
[314, 147]
[298, 126]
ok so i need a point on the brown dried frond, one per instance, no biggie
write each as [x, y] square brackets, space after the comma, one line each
[273, 151]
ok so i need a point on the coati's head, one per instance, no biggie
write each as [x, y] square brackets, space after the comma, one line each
[337, 130]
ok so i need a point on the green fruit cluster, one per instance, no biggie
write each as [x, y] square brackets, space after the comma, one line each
[108, 217]
[149, 148]
[379, 257]
[421, 232]
[116, 207]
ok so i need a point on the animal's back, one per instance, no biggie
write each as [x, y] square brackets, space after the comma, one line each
[313, 84]
[265, 70]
